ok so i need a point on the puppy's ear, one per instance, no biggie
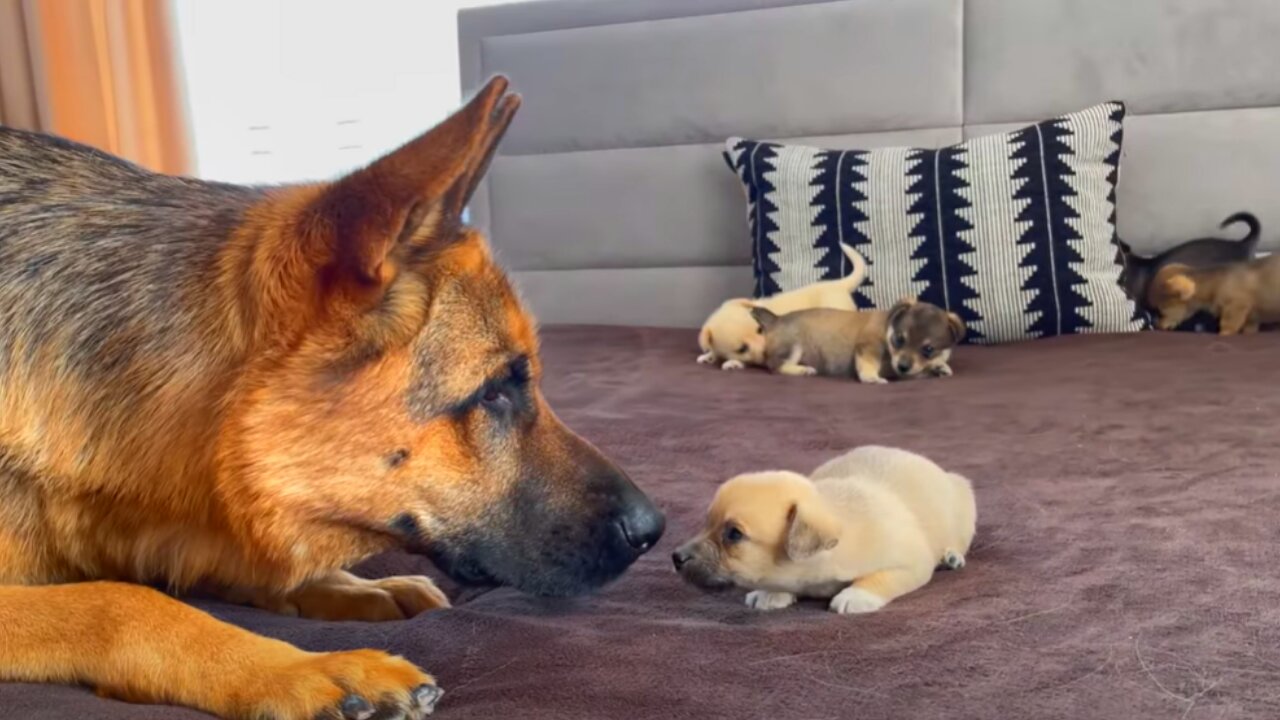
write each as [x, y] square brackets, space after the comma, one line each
[764, 317]
[810, 530]
[900, 307]
[956, 326]
[1180, 286]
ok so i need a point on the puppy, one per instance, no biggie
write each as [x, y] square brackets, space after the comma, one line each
[731, 337]
[1242, 296]
[910, 339]
[867, 527]
[1138, 271]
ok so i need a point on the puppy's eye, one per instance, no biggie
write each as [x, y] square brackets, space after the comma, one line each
[732, 535]
[927, 351]
[743, 350]
[898, 342]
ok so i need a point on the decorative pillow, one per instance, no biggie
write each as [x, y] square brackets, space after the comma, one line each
[1015, 232]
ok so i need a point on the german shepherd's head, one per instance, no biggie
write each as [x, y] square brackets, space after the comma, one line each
[403, 407]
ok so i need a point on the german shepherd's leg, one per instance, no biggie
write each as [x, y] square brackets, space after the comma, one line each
[343, 596]
[137, 644]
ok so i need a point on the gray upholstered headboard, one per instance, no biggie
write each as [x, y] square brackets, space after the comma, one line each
[610, 201]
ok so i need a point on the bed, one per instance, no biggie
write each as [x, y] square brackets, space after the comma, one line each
[1124, 566]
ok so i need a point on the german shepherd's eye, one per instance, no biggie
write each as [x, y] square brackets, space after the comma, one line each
[495, 398]
[927, 351]
[732, 534]
[898, 342]
[506, 395]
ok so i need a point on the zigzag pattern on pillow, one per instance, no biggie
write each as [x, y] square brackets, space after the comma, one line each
[1014, 232]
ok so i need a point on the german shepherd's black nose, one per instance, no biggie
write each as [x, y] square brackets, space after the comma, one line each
[640, 523]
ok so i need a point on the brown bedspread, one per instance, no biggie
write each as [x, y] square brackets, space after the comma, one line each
[1126, 564]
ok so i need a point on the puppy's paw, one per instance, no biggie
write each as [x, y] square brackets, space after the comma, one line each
[873, 380]
[852, 601]
[953, 560]
[797, 370]
[732, 365]
[707, 358]
[943, 370]
[765, 600]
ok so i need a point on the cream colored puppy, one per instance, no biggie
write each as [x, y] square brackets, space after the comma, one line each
[732, 338]
[867, 527]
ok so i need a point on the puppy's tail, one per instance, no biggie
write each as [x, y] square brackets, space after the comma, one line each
[859, 274]
[1255, 229]
[764, 317]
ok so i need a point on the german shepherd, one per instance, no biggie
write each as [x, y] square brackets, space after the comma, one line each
[246, 390]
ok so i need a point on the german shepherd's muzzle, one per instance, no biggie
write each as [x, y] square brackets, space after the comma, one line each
[566, 519]
[540, 541]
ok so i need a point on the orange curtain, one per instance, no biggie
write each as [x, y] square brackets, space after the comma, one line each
[101, 72]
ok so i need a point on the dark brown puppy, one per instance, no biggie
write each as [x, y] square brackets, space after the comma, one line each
[910, 339]
[249, 390]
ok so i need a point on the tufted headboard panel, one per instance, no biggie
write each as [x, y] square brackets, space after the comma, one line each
[610, 202]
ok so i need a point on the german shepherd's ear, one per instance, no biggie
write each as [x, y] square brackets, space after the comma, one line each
[414, 196]
[810, 530]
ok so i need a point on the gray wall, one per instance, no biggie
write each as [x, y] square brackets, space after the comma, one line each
[610, 202]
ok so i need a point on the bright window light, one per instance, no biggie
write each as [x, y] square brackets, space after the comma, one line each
[290, 90]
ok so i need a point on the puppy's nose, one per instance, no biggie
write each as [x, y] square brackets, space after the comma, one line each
[904, 367]
[679, 558]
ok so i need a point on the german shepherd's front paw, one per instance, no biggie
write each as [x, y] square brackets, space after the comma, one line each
[343, 596]
[355, 685]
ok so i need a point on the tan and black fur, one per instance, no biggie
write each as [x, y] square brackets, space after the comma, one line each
[247, 390]
[910, 339]
[1202, 252]
[1243, 296]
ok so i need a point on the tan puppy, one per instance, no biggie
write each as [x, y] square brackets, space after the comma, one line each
[1243, 295]
[870, 526]
[910, 339]
[731, 337]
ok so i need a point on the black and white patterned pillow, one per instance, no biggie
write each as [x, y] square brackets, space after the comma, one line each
[1014, 232]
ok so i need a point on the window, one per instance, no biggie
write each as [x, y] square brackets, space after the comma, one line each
[289, 90]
